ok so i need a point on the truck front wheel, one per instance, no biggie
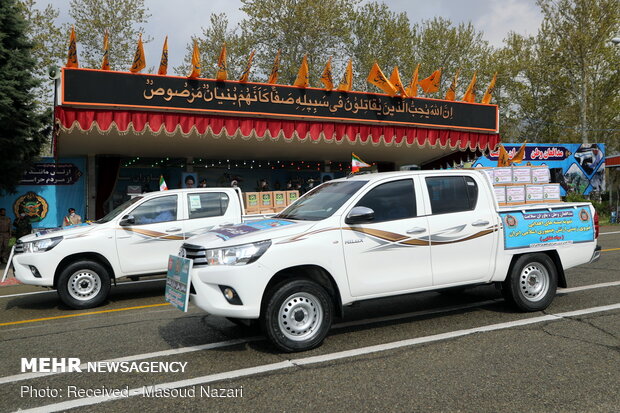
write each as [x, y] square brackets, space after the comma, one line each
[297, 316]
[532, 283]
[83, 284]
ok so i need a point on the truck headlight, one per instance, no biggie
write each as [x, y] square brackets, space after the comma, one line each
[238, 255]
[41, 245]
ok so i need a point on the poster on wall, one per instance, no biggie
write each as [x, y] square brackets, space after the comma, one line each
[47, 190]
[576, 167]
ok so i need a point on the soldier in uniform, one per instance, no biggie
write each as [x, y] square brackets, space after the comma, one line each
[22, 225]
[5, 234]
[71, 218]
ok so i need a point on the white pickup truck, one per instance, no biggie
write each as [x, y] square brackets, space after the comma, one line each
[379, 235]
[133, 240]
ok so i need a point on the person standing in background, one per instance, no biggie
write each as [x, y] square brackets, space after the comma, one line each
[5, 235]
[189, 181]
[309, 185]
[22, 225]
[71, 218]
[263, 185]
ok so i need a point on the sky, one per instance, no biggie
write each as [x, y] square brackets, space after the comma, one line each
[180, 19]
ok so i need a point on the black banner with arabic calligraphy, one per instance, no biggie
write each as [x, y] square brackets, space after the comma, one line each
[94, 88]
[51, 174]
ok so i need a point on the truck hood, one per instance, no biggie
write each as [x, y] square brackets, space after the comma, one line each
[245, 233]
[65, 232]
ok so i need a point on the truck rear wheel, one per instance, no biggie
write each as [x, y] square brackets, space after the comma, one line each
[532, 283]
[297, 316]
[83, 284]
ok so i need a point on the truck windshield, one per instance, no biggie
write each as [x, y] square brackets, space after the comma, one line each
[323, 201]
[118, 210]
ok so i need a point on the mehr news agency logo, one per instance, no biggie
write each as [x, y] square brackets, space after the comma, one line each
[74, 364]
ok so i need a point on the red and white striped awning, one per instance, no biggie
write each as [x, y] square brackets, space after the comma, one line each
[130, 132]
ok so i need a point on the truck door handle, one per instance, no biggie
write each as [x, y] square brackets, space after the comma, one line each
[175, 229]
[416, 230]
[480, 223]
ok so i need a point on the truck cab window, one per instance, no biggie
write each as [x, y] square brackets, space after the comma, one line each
[391, 201]
[452, 193]
[156, 210]
[212, 204]
[322, 201]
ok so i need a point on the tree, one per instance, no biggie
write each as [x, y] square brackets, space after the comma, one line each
[441, 45]
[382, 35]
[122, 18]
[48, 49]
[210, 46]
[580, 31]
[320, 29]
[561, 85]
[20, 135]
[530, 90]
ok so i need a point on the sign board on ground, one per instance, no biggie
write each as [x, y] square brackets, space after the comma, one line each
[178, 282]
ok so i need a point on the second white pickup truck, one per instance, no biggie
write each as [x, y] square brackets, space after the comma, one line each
[133, 240]
[371, 236]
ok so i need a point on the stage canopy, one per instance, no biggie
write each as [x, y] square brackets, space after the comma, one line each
[126, 114]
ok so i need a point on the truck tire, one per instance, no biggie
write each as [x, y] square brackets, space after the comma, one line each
[532, 283]
[83, 284]
[297, 315]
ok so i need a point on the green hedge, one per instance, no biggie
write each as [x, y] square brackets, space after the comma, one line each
[601, 207]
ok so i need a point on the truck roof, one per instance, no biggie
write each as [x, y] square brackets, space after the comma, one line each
[381, 175]
[184, 190]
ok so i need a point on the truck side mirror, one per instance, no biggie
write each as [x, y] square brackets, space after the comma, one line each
[360, 215]
[127, 220]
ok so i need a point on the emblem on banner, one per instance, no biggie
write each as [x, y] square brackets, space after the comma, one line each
[34, 206]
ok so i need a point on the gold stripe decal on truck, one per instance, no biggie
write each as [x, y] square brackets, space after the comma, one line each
[473, 236]
[416, 242]
[384, 235]
[398, 239]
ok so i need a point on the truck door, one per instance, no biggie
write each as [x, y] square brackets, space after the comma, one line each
[144, 246]
[387, 254]
[463, 229]
[205, 210]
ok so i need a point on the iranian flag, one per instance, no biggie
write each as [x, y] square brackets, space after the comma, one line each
[162, 183]
[357, 163]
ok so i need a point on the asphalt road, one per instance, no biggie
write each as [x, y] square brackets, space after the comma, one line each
[419, 353]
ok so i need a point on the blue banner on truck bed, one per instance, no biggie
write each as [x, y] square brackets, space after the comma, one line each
[525, 229]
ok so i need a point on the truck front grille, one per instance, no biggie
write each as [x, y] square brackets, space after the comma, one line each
[195, 253]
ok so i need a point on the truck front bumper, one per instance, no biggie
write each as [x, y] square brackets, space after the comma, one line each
[247, 281]
[34, 269]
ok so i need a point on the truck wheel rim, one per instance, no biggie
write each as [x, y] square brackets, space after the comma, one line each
[84, 285]
[534, 282]
[300, 317]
